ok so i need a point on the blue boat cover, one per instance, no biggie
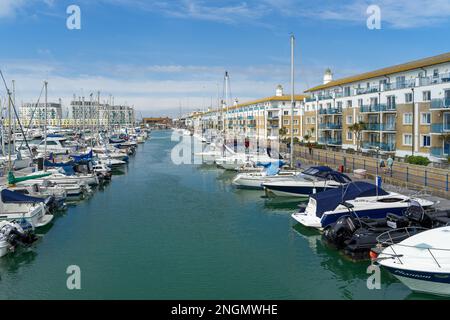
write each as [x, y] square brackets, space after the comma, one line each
[9, 196]
[80, 157]
[328, 200]
[50, 164]
[68, 170]
[325, 172]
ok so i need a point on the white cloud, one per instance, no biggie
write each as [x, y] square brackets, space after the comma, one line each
[8, 8]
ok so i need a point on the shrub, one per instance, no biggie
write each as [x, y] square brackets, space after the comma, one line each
[419, 160]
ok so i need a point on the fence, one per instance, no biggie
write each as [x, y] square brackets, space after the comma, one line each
[406, 175]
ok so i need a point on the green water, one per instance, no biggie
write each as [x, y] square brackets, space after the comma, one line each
[162, 231]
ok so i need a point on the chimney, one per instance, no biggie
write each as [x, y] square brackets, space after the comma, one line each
[279, 91]
[328, 76]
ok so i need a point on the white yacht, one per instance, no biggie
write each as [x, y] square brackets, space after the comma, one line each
[361, 199]
[421, 262]
[15, 206]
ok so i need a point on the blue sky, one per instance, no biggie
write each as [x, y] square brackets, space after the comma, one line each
[158, 55]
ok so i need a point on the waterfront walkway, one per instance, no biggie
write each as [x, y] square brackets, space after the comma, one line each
[420, 178]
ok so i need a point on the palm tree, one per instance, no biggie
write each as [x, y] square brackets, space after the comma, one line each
[357, 129]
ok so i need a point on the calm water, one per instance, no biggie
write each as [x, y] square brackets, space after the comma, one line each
[162, 231]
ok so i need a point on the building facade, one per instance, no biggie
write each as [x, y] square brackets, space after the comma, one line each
[91, 114]
[34, 114]
[404, 109]
[267, 118]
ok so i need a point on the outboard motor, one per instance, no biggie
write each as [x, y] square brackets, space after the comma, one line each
[341, 231]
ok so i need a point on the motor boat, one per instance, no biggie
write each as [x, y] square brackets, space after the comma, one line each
[15, 233]
[59, 177]
[213, 152]
[356, 236]
[421, 262]
[56, 145]
[366, 200]
[15, 206]
[235, 161]
[58, 194]
[311, 181]
[254, 180]
[110, 162]
[103, 170]
[72, 190]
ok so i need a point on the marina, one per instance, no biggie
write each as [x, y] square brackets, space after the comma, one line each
[225, 243]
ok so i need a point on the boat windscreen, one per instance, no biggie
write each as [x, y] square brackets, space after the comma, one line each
[328, 200]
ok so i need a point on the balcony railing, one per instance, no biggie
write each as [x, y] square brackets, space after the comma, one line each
[382, 145]
[326, 97]
[440, 128]
[380, 127]
[330, 111]
[330, 141]
[439, 152]
[440, 103]
[330, 126]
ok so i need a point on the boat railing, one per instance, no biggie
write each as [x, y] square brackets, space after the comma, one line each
[391, 244]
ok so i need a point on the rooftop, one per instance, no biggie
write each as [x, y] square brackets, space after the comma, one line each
[426, 62]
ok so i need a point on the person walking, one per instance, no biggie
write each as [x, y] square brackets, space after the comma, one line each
[390, 163]
[382, 165]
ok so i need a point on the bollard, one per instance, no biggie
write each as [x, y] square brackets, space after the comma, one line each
[446, 186]
[407, 174]
[426, 178]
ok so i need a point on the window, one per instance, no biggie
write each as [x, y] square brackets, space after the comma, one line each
[435, 73]
[308, 120]
[349, 135]
[349, 103]
[295, 122]
[295, 131]
[313, 120]
[286, 113]
[349, 119]
[408, 97]
[407, 118]
[328, 105]
[426, 96]
[391, 102]
[339, 105]
[426, 141]
[347, 91]
[407, 139]
[360, 102]
[373, 101]
[447, 121]
[285, 121]
[425, 118]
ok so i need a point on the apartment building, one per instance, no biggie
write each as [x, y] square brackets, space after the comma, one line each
[90, 113]
[262, 118]
[32, 114]
[405, 109]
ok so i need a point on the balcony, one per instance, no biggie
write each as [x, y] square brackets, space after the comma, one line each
[367, 90]
[440, 104]
[325, 97]
[440, 128]
[379, 127]
[439, 152]
[310, 99]
[330, 126]
[330, 141]
[330, 111]
[382, 145]
[272, 117]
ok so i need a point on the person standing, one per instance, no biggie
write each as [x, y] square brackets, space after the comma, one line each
[390, 163]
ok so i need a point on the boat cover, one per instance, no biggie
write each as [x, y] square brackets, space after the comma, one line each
[328, 200]
[80, 157]
[9, 196]
[50, 164]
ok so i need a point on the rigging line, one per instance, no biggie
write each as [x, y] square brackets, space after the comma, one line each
[15, 111]
[33, 112]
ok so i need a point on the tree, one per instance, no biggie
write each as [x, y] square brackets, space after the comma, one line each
[282, 131]
[357, 129]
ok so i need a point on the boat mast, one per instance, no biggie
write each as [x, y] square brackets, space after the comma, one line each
[292, 99]
[14, 104]
[9, 130]
[98, 116]
[45, 126]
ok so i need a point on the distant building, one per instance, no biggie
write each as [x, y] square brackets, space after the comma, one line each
[157, 121]
[91, 114]
[35, 114]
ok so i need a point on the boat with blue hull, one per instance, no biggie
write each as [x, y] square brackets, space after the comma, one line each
[311, 181]
[421, 262]
[363, 199]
